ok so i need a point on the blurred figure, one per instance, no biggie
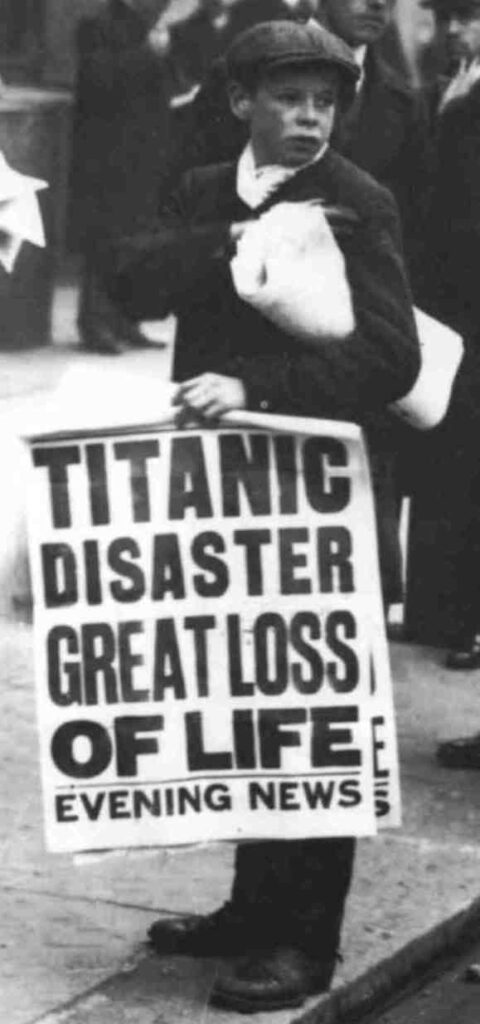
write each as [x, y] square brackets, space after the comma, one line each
[445, 537]
[198, 40]
[411, 45]
[120, 129]
[457, 191]
[456, 237]
[386, 131]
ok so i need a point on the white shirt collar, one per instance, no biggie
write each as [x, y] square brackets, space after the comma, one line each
[359, 56]
[256, 184]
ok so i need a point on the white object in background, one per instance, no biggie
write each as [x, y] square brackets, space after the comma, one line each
[441, 353]
[20, 216]
[183, 99]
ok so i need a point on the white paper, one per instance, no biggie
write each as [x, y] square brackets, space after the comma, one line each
[90, 399]
[20, 215]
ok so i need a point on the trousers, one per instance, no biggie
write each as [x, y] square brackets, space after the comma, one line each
[293, 892]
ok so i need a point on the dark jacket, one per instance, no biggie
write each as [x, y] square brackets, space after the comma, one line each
[184, 269]
[121, 123]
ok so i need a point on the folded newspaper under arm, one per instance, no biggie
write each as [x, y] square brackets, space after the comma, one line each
[441, 353]
[289, 267]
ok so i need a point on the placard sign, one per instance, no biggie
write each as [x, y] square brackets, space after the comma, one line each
[206, 603]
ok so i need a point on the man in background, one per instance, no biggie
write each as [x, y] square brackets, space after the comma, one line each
[447, 516]
[196, 41]
[386, 131]
[121, 124]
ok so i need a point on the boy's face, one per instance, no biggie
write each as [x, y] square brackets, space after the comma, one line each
[291, 114]
[357, 22]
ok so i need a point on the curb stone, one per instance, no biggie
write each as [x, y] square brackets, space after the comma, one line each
[350, 1003]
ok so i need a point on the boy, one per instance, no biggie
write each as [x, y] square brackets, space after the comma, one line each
[286, 81]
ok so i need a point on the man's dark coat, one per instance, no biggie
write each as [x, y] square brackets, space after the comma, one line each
[387, 134]
[121, 125]
[444, 593]
[455, 223]
[185, 270]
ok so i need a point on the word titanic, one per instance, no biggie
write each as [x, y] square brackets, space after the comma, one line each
[202, 475]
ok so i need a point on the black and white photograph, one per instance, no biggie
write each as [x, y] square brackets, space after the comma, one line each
[240, 511]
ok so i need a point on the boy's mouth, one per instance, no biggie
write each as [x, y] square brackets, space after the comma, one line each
[309, 142]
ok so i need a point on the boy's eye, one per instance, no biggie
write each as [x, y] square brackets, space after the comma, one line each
[287, 97]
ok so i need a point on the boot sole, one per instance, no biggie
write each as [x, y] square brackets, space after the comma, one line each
[244, 1005]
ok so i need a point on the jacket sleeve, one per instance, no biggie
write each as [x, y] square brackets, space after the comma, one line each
[376, 364]
[151, 274]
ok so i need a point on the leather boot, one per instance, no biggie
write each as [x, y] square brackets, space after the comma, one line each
[222, 933]
[273, 980]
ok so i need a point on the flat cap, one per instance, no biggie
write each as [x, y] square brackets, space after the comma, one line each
[274, 44]
[461, 8]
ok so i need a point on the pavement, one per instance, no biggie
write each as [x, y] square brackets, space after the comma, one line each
[451, 995]
[72, 930]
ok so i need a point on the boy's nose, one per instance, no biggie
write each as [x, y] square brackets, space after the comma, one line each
[308, 112]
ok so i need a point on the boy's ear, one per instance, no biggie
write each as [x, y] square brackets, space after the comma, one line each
[240, 101]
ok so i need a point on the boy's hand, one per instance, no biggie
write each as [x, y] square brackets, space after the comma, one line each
[211, 394]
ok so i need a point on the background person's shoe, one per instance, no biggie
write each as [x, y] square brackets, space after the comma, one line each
[460, 753]
[222, 933]
[133, 337]
[100, 339]
[280, 979]
[465, 656]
